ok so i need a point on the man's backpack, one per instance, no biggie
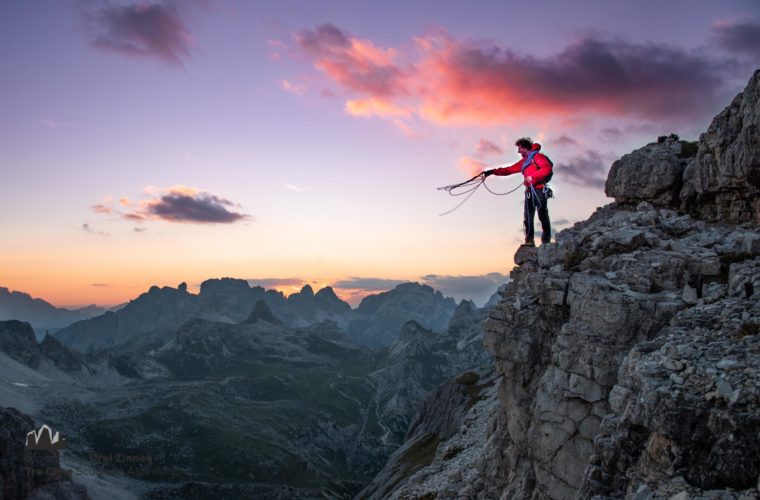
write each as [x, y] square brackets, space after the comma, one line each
[551, 169]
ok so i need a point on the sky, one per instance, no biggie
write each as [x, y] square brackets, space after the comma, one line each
[302, 142]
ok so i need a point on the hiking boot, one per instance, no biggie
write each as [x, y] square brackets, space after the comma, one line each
[529, 243]
[545, 242]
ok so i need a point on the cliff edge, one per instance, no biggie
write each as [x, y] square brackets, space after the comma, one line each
[628, 353]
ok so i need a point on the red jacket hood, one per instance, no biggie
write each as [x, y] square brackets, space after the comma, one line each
[536, 147]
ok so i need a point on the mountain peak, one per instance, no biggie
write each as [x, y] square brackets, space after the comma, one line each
[327, 292]
[262, 312]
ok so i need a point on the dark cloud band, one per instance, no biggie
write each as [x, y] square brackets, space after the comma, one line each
[154, 30]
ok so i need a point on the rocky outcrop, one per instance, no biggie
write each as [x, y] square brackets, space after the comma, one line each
[17, 341]
[27, 473]
[261, 312]
[61, 356]
[716, 179]
[652, 173]
[686, 406]
[723, 182]
[629, 350]
[442, 450]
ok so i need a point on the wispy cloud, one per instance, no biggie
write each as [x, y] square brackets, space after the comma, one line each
[180, 204]
[564, 140]
[471, 166]
[588, 169]
[293, 87]
[474, 163]
[478, 288]
[446, 81]
[487, 148]
[295, 188]
[145, 29]
[275, 282]
[368, 284]
[472, 287]
[738, 37]
[354, 63]
[88, 229]
[100, 285]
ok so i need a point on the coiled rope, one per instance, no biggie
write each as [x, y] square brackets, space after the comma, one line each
[469, 187]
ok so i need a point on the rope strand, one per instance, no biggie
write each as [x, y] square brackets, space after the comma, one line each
[473, 185]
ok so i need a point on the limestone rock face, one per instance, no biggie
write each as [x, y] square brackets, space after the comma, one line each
[716, 179]
[652, 173]
[17, 340]
[442, 451]
[628, 351]
[611, 343]
[723, 182]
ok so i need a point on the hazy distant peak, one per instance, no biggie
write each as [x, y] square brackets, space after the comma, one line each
[261, 311]
[327, 292]
[227, 284]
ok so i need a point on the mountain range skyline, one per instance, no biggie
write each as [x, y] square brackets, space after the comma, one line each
[294, 288]
[151, 143]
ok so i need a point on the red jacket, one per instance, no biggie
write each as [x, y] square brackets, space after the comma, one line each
[539, 168]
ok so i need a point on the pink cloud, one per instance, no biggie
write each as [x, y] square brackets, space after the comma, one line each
[446, 81]
[487, 148]
[471, 166]
[101, 208]
[376, 107]
[355, 64]
[293, 87]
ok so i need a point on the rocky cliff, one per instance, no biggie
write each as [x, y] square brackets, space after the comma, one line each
[628, 352]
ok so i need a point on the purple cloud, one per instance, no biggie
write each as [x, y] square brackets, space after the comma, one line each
[588, 169]
[353, 63]
[739, 37]
[486, 148]
[145, 29]
[564, 140]
[194, 207]
[177, 204]
[88, 229]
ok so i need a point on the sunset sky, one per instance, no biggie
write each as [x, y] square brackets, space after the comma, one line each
[153, 143]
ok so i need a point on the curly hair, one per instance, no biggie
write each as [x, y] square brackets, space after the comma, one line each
[524, 142]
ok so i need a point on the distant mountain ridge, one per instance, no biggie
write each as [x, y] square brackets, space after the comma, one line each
[151, 319]
[41, 314]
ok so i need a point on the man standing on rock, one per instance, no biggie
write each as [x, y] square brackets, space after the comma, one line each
[537, 170]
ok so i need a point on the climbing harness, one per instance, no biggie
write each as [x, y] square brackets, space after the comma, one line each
[469, 187]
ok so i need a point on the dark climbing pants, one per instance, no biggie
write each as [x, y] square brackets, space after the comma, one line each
[536, 200]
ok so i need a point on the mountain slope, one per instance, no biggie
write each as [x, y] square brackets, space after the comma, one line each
[40, 314]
